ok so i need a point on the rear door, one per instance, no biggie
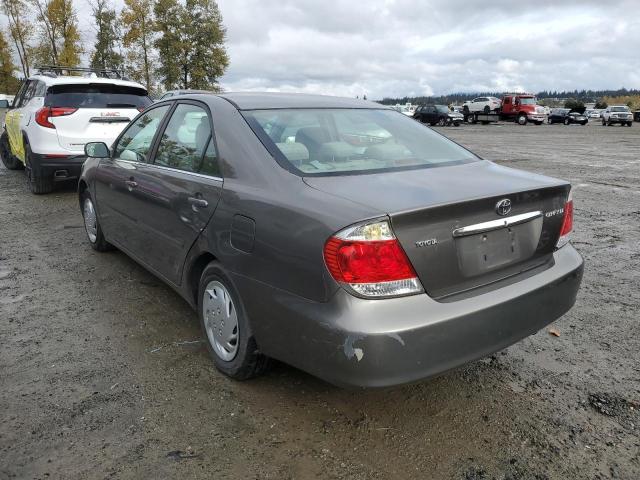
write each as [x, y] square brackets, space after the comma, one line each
[12, 122]
[102, 110]
[177, 193]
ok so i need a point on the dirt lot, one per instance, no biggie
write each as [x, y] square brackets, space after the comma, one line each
[102, 374]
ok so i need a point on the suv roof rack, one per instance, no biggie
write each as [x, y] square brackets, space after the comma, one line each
[55, 70]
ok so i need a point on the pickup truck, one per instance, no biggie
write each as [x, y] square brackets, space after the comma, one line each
[617, 114]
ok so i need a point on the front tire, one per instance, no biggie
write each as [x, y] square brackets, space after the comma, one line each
[92, 225]
[226, 328]
[522, 119]
[9, 160]
[442, 121]
[566, 121]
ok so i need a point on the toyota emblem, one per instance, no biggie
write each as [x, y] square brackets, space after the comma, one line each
[503, 207]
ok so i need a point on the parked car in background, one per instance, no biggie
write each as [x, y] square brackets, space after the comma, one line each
[617, 114]
[56, 112]
[592, 113]
[273, 227]
[438, 115]
[566, 116]
[481, 104]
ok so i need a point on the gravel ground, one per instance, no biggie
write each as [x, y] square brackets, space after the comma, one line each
[102, 374]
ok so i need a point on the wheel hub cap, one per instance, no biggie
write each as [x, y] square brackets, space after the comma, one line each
[90, 220]
[220, 320]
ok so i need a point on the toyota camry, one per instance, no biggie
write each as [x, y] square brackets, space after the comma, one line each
[336, 235]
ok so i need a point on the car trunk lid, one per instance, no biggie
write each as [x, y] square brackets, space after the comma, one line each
[448, 223]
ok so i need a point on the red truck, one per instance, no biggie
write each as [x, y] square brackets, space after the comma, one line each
[522, 108]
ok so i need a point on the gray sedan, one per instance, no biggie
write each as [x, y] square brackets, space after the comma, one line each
[333, 234]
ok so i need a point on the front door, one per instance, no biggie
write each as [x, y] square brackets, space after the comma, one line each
[179, 191]
[118, 182]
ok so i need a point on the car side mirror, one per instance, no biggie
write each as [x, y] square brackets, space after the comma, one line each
[4, 104]
[97, 150]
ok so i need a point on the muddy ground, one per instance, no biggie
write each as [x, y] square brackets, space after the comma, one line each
[102, 374]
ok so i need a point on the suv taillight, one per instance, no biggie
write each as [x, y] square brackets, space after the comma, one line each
[369, 261]
[567, 222]
[45, 113]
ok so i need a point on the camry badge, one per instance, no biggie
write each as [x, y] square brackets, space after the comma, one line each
[503, 207]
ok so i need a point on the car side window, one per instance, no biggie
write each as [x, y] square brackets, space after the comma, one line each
[185, 138]
[136, 141]
[41, 89]
[17, 103]
[210, 164]
[29, 92]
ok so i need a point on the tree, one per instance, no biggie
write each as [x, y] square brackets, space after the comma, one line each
[20, 29]
[137, 23]
[59, 36]
[8, 81]
[106, 54]
[190, 44]
[574, 105]
[601, 105]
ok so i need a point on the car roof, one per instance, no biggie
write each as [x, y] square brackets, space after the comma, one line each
[77, 80]
[259, 101]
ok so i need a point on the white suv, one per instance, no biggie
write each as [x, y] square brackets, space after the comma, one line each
[617, 114]
[482, 104]
[55, 115]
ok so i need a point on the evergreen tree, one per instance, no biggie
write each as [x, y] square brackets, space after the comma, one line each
[190, 44]
[106, 53]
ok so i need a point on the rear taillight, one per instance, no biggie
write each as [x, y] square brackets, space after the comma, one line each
[370, 262]
[44, 114]
[567, 222]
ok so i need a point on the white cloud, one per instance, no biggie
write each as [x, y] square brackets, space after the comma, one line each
[408, 47]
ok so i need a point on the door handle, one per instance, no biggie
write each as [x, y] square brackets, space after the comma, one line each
[131, 184]
[198, 202]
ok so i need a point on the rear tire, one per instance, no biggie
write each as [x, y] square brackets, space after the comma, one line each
[9, 160]
[486, 109]
[92, 225]
[38, 184]
[226, 328]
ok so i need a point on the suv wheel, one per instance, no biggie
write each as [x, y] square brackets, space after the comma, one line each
[522, 119]
[442, 121]
[37, 183]
[9, 160]
[226, 327]
[92, 225]
[629, 124]
[604, 122]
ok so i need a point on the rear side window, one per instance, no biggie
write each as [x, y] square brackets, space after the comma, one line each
[96, 95]
[185, 139]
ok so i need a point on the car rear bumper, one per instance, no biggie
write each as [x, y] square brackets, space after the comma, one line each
[60, 169]
[351, 341]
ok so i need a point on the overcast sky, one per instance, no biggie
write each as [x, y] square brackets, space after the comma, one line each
[409, 47]
[393, 48]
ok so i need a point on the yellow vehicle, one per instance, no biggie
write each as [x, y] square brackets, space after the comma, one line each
[56, 113]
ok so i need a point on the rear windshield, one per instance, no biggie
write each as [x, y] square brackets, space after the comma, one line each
[94, 95]
[346, 141]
